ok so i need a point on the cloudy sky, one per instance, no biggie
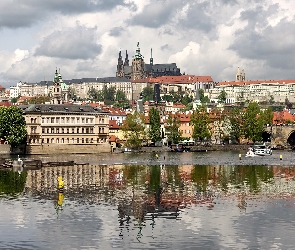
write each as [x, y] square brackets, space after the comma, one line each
[83, 38]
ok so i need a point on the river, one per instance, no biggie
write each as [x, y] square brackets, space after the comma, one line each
[206, 200]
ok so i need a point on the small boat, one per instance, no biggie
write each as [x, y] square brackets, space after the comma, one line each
[250, 153]
[260, 150]
[178, 147]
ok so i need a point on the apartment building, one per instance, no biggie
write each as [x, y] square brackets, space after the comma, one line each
[259, 91]
[59, 128]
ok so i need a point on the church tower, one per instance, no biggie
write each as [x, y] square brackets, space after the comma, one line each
[60, 90]
[56, 90]
[240, 76]
[120, 68]
[137, 65]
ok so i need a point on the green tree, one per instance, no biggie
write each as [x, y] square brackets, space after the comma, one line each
[167, 98]
[120, 96]
[253, 122]
[186, 99]
[134, 130]
[109, 93]
[147, 94]
[12, 125]
[222, 96]
[233, 124]
[172, 128]
[72, 93]
[201, 124]
[203, 98]
[92, 93]
[267, 116]
[154, 131]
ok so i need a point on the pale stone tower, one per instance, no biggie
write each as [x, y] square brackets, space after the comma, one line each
[137, 65]
[240, 76]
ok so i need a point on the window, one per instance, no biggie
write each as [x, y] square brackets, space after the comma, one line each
[68, 119]
[87, 140]
[57, 119]
[78, 120]
[77, 140]
[62, 140]
[57, 130]
[62, 120]
[57, 140]
[82, 140]
[62, 130]
[68, 130]
[68, 140]
[43, 130]
[52, 130]
[73, 130]
[47, 140]
[43, 120]
[73, 140]
[77, 130]
[52, 119]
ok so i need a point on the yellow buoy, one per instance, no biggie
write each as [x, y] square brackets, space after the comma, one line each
[60, 199]
[281, 157]
[61, 183]
[240, 156]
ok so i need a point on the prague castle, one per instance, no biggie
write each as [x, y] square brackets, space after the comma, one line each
[140, 70]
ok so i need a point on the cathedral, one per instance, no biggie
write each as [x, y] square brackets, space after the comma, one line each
[139, 69]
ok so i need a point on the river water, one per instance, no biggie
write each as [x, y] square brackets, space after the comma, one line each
[208, 200]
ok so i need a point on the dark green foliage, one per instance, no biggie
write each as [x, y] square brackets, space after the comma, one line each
[12, 125]
[147, 94]
[222, 96]
[235, 121]
[134, 130]
[155, 126]
[253, 123]
[172, 128]
[201, 121]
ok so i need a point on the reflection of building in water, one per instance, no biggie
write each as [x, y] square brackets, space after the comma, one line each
[74, 177]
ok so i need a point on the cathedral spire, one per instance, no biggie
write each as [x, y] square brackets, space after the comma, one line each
[151, 59]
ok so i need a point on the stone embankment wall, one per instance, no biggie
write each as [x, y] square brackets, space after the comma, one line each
[68, 149]
[197, 148]
[4, 149]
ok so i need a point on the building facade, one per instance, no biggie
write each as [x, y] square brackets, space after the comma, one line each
[60, 128]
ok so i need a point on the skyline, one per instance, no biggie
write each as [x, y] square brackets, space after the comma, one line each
[83, 38]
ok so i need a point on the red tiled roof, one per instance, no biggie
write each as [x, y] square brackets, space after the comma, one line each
[113, 124]
[113, 138]
[233, 83]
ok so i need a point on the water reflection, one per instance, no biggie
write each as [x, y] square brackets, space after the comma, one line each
[155, 206]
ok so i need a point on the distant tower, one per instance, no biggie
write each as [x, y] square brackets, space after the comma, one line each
[126, 63]
[120, 68]
[152, 64]
[157, 97]
[137, 65]
[56, 90]
[240, 76]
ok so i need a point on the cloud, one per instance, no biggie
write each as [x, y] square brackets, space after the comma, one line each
[72, 43]
[19, 14]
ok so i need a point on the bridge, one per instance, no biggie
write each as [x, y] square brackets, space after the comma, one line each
[281, 136]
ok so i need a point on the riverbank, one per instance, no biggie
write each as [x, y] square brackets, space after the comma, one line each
[197, 148]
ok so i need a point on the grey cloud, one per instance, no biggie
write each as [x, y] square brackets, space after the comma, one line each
[116, 31]
[73, 43]
[198, 17]
[17, 14]
[273, 44]
[165, 47]
[155, 14]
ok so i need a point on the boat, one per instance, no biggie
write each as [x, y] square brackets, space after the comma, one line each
[250, 153]
[262, 150]
[178, 147]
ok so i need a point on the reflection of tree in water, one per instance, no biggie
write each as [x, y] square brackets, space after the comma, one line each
[12, 182]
